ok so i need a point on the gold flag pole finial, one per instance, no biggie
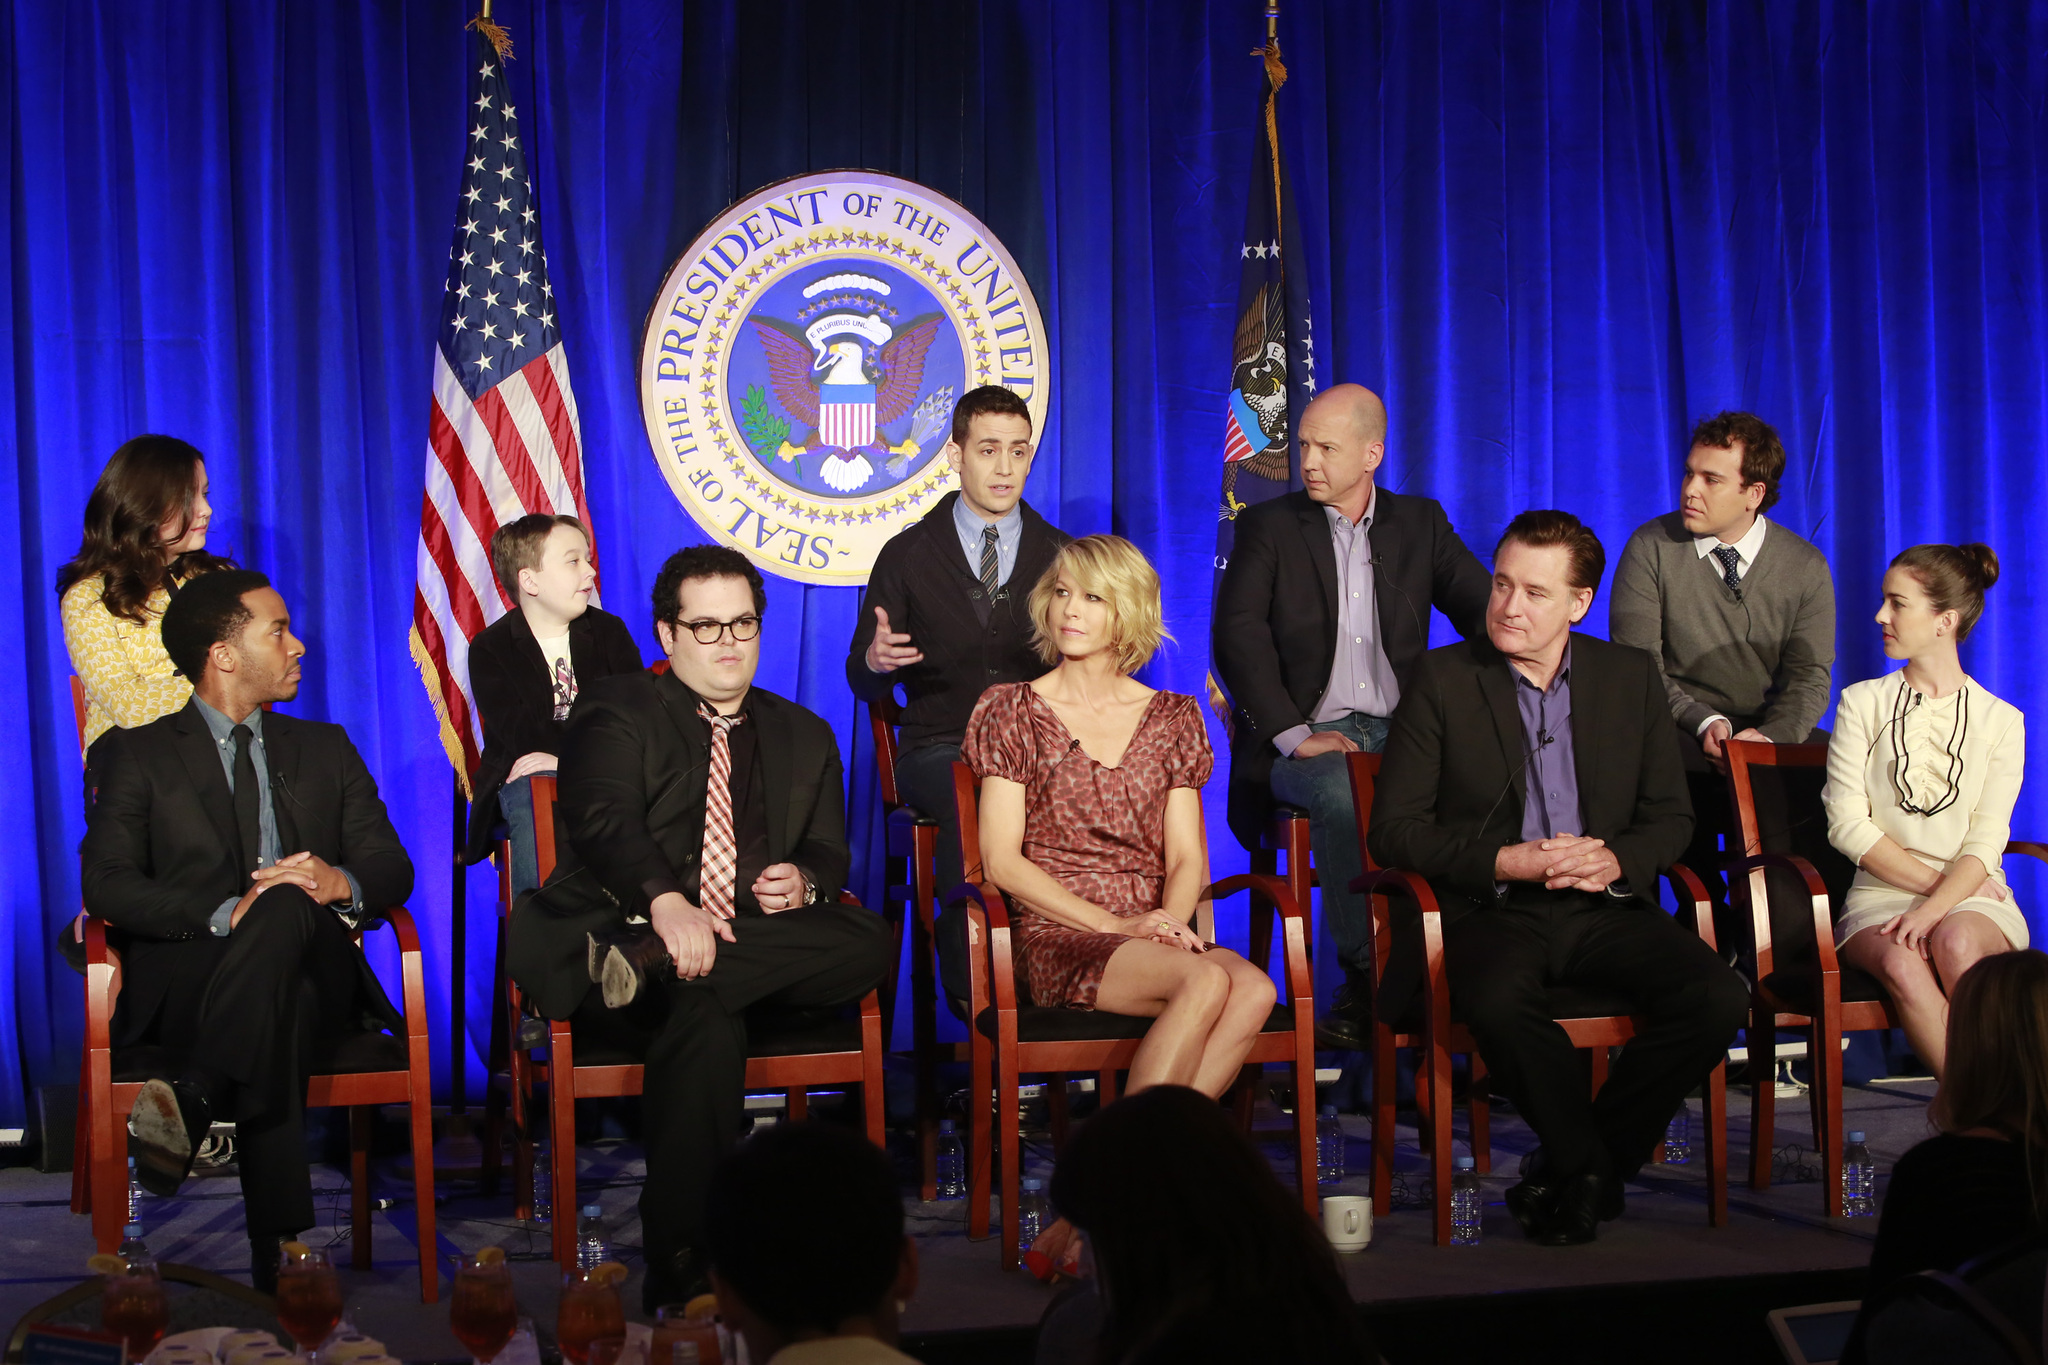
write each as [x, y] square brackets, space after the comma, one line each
[494, 33]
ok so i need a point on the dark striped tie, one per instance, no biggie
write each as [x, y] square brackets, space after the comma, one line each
[989, 580]
[1729, 557]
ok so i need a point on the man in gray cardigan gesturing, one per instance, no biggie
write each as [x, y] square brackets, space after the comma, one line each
[1739, 613]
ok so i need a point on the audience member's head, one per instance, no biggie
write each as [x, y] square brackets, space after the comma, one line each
[1100, 593]
[1546, 568]
[147, 516]
[230, 635]
[1997, 1074]
[1732, 472]
[1343, 438]
[708, 605]
[804, 1230]
[1933, 597]
[991, 449]
[1195, 1239]
[543, 562]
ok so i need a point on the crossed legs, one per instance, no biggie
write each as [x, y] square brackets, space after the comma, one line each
[1207, 1007]
[1918, 985]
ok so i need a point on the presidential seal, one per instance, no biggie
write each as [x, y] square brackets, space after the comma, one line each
[800, 365]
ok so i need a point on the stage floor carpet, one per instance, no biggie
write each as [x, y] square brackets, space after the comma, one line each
[1658, 1285]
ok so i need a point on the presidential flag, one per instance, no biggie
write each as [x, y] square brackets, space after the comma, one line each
[1272, 362]
[502, 438]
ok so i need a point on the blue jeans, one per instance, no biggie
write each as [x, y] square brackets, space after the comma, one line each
[1322, 786]
[515, 808]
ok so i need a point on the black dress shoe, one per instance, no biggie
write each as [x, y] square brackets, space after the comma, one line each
[1347, 1025]
[169, 1121]
[265, 1255]
[1534, 1200]
[1577, 1216]
[625, 959]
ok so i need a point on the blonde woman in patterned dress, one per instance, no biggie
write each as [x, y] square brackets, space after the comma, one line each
[1091, 824]
[1923, 771]
[145, 532]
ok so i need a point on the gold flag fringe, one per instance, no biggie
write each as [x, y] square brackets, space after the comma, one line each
[451, 741]
[494, 33]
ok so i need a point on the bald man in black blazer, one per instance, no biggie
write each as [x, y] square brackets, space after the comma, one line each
[1321, 616]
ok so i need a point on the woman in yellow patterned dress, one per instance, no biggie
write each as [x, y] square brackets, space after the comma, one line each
[145, 533]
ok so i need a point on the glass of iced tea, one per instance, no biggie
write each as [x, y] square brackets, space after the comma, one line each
[482, 1311]
[133, 1305]
[589, 1309]
[675, 1324]
[308, 1295]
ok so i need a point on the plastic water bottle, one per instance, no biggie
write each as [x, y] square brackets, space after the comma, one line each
[951, 1162]
[1859, 1178]
[1032, 1214]
[591, 1251]
[1465, 1201]
[132, 1249]
[1678, 1138]
[134, 1194]
[543, 1184]
[1329, 1146]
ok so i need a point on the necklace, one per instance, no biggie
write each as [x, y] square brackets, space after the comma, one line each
[1902, 758]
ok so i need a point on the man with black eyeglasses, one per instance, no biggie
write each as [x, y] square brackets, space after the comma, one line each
[703, 850]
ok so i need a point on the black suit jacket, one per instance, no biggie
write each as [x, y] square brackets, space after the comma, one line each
[1450, 787]
[1274, 635]
[970, 644]
[160, 853]
[515, 698]
[631, 818]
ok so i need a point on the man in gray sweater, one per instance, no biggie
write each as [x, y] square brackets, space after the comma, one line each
[1739, 613]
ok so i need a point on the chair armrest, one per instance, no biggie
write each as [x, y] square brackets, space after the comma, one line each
[991, 971]
[1436, 993]
[2028, 847]
[1294, 925]
[413, 975]
[99, 986]
[848, 898]
[400, 920]
[95, 940]
[1823, 917]
[1692, 895]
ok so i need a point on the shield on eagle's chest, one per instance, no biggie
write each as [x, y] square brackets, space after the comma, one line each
[846, 415]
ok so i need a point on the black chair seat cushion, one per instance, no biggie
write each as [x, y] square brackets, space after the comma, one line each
[1566, 1002]
[769, 1034]
[354, 1055]
[1054, 1024]
[1801, 990]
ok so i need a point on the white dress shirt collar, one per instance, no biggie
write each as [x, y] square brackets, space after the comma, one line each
[1745, 548]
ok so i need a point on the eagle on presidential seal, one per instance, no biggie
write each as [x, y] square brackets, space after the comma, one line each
[1255, 436]
[847, 368]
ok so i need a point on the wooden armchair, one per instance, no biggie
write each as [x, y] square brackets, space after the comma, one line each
[371, 1070]
[1594, 1023]
[793, 1060]
[1788, 877]
[1011, 1039]
[909, 898]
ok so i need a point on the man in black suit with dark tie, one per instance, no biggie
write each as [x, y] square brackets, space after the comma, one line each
[944, 617]
[705, 847]
[1533, 778]
[236, 849]
[1320, 618]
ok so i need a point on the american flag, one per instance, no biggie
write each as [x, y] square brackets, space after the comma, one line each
[502, 438]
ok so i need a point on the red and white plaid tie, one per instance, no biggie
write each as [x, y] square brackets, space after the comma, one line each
[721, 852]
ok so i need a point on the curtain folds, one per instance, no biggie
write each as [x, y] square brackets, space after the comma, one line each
[1553, 236]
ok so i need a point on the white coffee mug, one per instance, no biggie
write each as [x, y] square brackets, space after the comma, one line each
[1347, 1221]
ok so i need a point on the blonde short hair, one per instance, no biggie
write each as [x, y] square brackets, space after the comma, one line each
[1116, 571]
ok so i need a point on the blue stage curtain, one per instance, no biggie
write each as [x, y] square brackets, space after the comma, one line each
[1551, 236]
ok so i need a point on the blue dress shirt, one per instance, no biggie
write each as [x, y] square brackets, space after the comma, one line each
[1009, 535]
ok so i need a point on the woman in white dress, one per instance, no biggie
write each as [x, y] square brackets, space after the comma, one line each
[1923, 771]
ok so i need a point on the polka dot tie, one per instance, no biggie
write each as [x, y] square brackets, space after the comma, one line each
[1729, 557]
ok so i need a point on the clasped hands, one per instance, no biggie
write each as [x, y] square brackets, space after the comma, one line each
[1717, 734]
[691, 933]
[1161, 927]
[1910, 930]
[322, 881]
[1563, 862]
